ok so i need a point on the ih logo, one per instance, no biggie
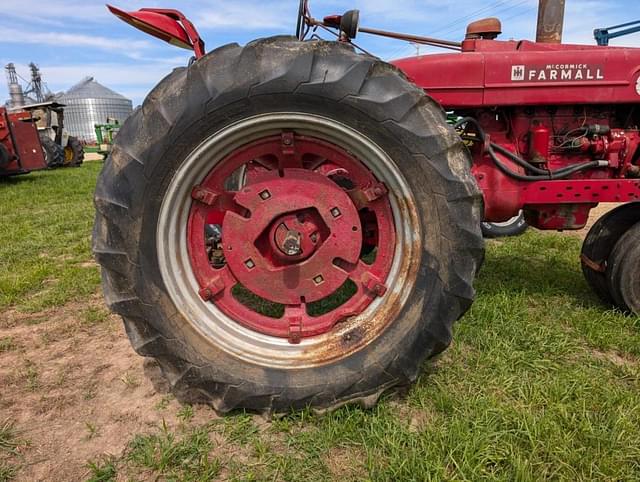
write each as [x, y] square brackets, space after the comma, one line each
[517, 72]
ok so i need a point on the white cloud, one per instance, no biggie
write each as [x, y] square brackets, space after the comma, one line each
[60, 12]
[245, 15]
[61, 39]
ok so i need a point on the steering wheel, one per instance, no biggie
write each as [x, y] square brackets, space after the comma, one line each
[303, 12]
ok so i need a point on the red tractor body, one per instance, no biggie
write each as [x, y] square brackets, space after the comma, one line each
[20, 148]
[554, 105]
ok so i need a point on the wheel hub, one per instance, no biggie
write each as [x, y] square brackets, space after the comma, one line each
[296, 236]
[272, 251]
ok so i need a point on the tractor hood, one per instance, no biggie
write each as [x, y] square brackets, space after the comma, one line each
[500, 73]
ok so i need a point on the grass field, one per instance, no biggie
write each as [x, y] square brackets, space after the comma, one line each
[542, 382]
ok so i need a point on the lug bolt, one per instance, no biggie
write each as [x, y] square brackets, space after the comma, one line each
[374, 285]
[318, 279]
[206, 294]
[335, 212]
[249, 264]
[264, 195]
[379, 289]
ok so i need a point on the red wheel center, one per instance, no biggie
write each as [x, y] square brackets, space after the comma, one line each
[272, 251]
[286, 219]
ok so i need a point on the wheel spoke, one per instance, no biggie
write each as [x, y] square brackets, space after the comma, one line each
[215, 201]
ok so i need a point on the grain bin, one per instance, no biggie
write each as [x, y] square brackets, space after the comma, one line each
[89, 103]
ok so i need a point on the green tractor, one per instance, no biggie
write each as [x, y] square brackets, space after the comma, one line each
[105, 133]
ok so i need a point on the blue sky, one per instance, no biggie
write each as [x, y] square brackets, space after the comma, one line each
[72, 39]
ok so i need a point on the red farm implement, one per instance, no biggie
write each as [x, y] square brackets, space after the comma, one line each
[20, 149]
[294, 222]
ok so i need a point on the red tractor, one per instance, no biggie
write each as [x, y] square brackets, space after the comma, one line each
[294, 223]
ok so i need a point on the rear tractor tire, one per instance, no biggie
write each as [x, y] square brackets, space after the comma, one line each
[73, 153]
[53, 153]
[288, 224]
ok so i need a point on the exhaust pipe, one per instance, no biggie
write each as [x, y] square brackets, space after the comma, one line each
[550, 21]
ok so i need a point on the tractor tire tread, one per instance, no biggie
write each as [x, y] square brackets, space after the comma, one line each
[600, 242]
[54, 153]
[622, 271]
[78, 152]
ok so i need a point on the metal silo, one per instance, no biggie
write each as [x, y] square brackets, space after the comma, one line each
[89, 103]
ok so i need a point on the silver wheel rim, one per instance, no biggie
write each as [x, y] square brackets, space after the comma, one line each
[225, 333]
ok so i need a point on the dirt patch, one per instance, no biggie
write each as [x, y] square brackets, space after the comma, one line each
[346, 463]
[75, 389]
[596, 213]
[615, 358]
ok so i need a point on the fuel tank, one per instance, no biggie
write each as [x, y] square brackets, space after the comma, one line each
[502, 73]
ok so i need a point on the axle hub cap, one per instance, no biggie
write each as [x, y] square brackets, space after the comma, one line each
[296, 236]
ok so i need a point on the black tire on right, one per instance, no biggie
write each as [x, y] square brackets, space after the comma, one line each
[281, 76]
[514, 227]
[600, 242]
[623, 271]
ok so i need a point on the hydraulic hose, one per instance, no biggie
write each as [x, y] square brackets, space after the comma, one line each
[550, 176]
[540, 174]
